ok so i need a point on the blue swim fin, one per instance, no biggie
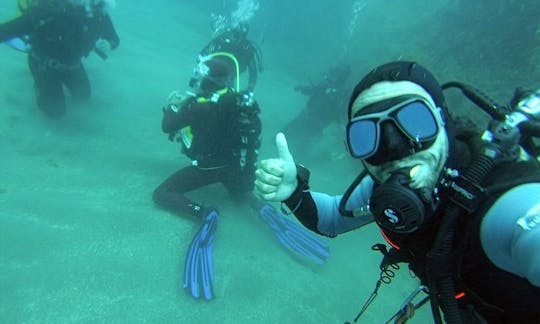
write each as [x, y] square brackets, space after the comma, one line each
[294, 236]
[199, 267]
[19, 44]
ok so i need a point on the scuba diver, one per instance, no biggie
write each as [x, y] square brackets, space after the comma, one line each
[234, 41]
[219, 129]
[322, 108]
[463, 211]
[59, 33]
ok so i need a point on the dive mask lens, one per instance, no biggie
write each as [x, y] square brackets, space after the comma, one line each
[362, 138]
[416, 120]
[414, 117]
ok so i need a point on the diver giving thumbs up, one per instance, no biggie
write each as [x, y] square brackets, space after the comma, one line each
[276, 178]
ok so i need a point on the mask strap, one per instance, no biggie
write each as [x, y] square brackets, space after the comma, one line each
[440, 113]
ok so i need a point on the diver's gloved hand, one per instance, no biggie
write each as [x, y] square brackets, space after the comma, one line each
[103, 45]
[276, 178]
[176, 98]
[170, 121]
[102, 48]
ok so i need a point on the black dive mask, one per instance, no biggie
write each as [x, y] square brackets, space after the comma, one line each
[399, 208]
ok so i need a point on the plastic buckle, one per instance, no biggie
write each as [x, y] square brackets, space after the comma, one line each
[465, 193]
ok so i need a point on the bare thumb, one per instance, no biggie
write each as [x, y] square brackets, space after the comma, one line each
[283, 148]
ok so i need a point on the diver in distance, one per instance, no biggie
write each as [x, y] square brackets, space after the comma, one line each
[57, 34]
[324, 106]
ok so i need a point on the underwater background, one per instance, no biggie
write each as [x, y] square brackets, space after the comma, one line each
[80, 238]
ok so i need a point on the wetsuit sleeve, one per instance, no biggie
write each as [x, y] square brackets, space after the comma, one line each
[175, 118]
[15, 28]
[510, 232]
[108, 32]
[319, 212]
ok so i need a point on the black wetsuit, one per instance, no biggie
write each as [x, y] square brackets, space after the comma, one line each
[209, 138]
[59, 38]
[324, 106]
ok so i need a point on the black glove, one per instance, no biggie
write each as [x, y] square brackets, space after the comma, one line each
[172, 137]
[170, 109]
[168, 124]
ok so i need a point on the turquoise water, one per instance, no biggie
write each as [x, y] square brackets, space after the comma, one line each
[82, 242]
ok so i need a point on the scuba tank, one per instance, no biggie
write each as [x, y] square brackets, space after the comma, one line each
[507, 132]
[248, 129]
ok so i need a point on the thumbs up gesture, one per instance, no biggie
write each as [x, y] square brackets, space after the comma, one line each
[276, 178]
